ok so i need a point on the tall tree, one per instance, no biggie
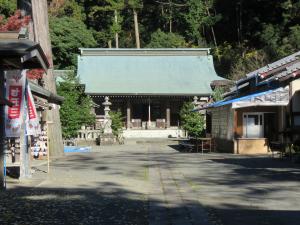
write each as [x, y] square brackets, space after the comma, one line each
[199, 18]
[67, 36]
[194, 18]
[136, 5]
[168, 8]
[76, 109]
[114, 6]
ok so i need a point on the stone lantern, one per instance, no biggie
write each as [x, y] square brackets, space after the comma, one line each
[107, 120]
[107, 137]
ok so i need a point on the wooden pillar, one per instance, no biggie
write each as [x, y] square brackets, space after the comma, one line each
[2, 132]
[168, 114]
[128, 112]
[149, 113]
[39, 12]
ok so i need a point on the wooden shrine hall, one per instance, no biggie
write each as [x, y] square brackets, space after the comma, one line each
[149, 86]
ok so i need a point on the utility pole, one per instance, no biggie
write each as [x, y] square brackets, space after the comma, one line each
[38, 9]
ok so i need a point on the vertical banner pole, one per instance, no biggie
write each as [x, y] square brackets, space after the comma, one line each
[2, 132]
[48, 152]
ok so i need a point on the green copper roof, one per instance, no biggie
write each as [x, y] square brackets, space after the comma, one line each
[146, 71]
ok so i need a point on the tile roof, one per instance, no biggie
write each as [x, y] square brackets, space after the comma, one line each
[147, 71]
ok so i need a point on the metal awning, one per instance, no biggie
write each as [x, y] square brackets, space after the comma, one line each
[22, 54]
[277, 97]
[274, 97]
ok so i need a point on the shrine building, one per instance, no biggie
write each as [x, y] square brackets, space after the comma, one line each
[149, 86]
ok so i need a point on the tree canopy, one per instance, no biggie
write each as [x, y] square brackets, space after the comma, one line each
[67, 36]
[239, 32]
[76, 108]
[192, 122]
[161, 39]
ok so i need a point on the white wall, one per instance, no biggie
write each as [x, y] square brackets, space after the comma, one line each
[153, 133]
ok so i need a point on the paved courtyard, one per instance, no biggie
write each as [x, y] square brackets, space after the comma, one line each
[153, 183]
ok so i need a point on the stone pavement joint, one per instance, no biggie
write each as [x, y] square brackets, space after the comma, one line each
[181, 211]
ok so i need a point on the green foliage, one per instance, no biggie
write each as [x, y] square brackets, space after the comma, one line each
[116, 122]
[217, 94]
[249, 61]
[135, 4]
[67, 36]
[76, 108]
[192, 122]
[198, 17]
[161, 39]
[194, 19]
[67, 8]
[8, 7]
[241, 28]
[111, 9]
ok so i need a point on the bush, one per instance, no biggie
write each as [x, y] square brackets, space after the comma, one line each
[192, 122]
[116, 123]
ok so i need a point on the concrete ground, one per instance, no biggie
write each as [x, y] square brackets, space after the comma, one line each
[153, 183]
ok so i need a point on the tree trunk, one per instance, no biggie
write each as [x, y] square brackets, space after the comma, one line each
[170, 20]
[239, 21]
[116, 34]
[211, 27]
[213, 34]
[136, 29]
[39, 13]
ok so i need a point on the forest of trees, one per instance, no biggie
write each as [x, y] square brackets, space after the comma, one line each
[243, 34]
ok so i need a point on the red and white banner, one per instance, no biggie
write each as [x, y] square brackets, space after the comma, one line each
[15, 89]
[32, 122]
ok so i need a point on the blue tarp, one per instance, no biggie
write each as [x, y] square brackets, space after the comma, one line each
[226, 102]
[77, 149]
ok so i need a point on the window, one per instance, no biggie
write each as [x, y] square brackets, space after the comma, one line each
[253, 125]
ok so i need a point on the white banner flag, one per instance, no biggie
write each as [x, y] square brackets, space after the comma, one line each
[15, 89]
[32, 123]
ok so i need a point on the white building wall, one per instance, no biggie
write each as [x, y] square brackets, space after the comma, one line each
[153, 133]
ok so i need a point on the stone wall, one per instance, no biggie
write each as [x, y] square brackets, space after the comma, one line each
[222, 122]
[222, 128]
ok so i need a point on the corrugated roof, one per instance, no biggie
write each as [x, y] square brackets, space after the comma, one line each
[270, 67]
[146, 72]
[273, 97]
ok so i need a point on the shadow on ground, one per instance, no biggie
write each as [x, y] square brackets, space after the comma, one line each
[90, 206]
[239, 190]
[71, 206]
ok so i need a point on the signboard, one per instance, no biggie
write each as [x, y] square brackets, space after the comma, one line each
[15, 89]
[32, 123]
